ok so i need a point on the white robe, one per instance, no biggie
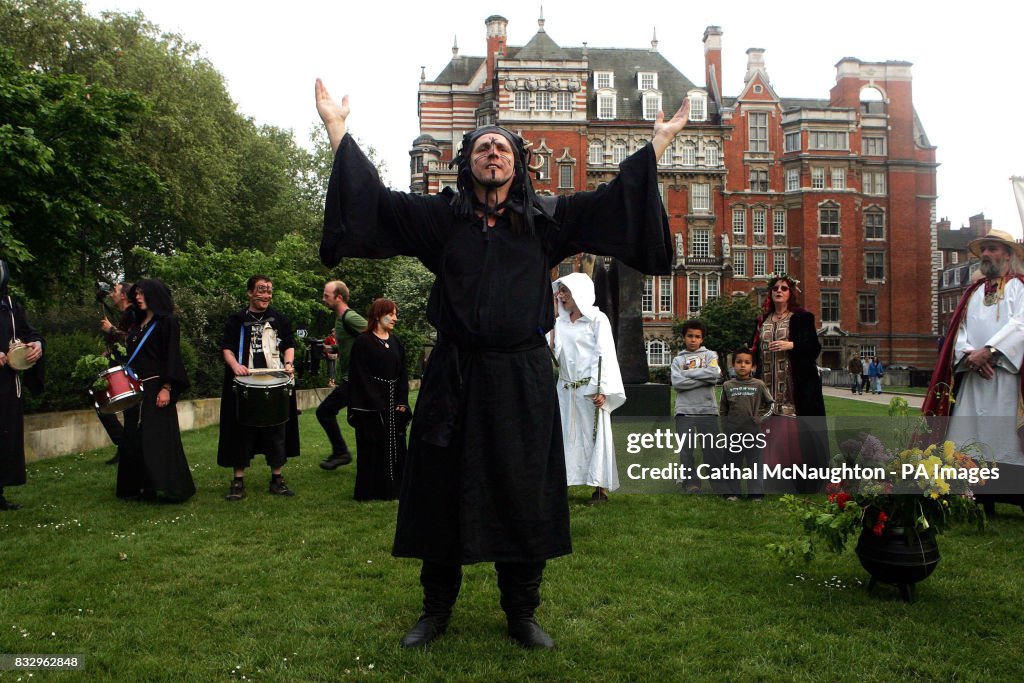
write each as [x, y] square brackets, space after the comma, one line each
[986, 410]
[578, 345]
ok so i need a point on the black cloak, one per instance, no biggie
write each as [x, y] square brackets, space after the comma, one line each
[485, 479]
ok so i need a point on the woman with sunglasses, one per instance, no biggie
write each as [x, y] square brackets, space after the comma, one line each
[785, 350]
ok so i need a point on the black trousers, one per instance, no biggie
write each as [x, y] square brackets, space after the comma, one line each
[519, 583]
[113, 426]
[327, 416]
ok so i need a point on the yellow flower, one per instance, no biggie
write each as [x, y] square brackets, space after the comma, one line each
[948, 451]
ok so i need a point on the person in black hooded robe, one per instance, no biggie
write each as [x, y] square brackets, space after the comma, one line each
[485, 477]
[14, 325]
[152, 458]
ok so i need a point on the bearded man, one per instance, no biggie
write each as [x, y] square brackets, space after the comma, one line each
[978, 380]
[485, 479]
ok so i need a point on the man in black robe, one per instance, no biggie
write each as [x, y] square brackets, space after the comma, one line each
[485, 479]
[256, 337]
[14, 325]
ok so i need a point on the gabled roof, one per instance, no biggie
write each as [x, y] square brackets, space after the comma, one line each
[459, 70]
[625, 63]
[541, 46]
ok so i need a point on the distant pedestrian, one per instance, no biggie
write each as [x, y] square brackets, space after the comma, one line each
[875, 372]
[853, 367]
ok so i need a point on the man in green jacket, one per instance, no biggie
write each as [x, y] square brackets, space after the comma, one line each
[346, 327]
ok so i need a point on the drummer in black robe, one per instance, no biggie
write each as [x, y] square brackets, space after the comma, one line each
[152, 458]
[256, 337]
[14, 325]
[485, 479]
[379, 404]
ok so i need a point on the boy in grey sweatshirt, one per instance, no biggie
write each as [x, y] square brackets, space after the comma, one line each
[695, 371]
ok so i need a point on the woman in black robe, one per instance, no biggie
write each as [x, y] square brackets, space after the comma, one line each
[379, 407]
[14, 325]
[153, 459]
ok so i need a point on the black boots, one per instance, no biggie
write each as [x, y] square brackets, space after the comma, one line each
[441, 583]
[520, 596]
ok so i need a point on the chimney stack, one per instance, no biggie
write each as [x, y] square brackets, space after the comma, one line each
[712, 57]
[755, 62]
[496, 37]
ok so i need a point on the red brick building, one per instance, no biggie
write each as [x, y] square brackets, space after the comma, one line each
[838, 192]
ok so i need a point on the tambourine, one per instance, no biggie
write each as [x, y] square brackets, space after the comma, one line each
[17, 355]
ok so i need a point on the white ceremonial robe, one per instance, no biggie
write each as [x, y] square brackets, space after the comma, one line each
[986, 410]
[578, 345]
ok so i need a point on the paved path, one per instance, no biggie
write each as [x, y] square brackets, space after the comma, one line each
[914, 400]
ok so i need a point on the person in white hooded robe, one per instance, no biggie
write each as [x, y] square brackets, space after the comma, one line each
[589, 386]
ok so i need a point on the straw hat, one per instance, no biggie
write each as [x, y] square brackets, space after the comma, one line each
[998, 237]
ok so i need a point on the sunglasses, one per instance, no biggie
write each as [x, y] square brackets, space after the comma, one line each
[780, 288]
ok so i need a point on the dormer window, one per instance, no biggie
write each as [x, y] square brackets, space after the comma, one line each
[606, 107]
[698, 105]
[652, 105]
[604, 79]
[647, 80]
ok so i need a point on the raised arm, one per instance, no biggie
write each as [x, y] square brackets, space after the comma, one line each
[332, 114]
[665, 131]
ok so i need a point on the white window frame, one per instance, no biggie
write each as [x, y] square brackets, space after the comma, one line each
[665, 293]
[647, 80]
[647, 296]
[605, 106]
[868, 350]
[700, 198]
[700, 243]
[619, 152]
[780, 261]
[595, 153]
[698, 106]
[760, 263]
[521, 100]
[693, 294]
[689, 154]
[792, 179]
[759, 221]
[739, 220]
[542, 100]
[564, 101]
[712, 155]
[837, 177]
[652, 105]
[608, 78]
[874, 182]
[658, 354]
[779, 222]
[821, 223]
[712, 289]
[757, 131]
[817, 177]
[739, 263]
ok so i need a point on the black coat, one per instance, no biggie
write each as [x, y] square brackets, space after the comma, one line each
[486, 479]
[12, 421]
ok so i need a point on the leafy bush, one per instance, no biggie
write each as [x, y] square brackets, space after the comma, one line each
[62, 391]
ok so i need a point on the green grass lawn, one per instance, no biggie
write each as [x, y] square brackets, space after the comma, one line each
[660, 587]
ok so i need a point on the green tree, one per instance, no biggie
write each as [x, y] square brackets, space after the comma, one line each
[730, 321]
[61, 168]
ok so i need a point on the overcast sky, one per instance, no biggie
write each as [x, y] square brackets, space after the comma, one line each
[965, 64]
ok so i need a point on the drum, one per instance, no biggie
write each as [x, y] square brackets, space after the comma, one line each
[263, 399]
[123, 391]
[16, 355]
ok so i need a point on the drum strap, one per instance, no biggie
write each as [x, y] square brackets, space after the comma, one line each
[138, 348]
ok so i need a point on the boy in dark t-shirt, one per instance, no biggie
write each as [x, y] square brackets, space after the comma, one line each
[744, 403]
